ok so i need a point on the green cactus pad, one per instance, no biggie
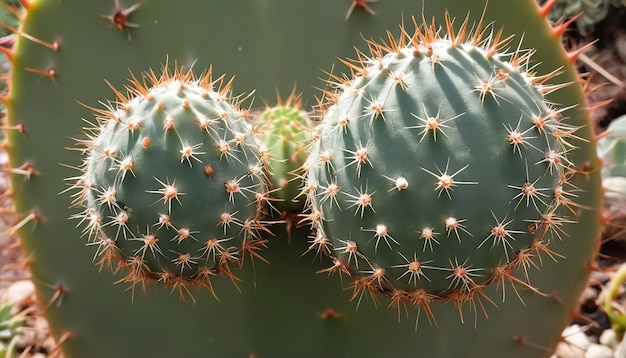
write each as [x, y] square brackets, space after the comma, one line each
[284, 308]
[172, 187]
[440, 169]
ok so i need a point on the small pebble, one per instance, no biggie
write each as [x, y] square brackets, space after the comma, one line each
[608, 338]
[598, 351]
[20, 292]
[575, 343]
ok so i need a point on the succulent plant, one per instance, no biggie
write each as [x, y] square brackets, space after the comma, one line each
[284, 130]
[172, 187]
[441, 169]
[11, 323]
[613, 309]
[586, 13]
[612, 151]
[65, 52]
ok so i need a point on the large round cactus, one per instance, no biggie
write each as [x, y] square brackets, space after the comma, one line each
[440, 170]
[172, 186]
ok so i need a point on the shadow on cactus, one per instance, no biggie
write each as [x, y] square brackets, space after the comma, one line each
[440, 169]
[172, 187]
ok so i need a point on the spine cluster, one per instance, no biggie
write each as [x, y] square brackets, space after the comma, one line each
[172, 187]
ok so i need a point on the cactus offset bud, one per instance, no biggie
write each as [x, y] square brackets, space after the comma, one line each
[284, 130]
[440, 170]
[171, 187]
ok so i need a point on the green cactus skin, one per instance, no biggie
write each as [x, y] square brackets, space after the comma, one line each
[284, 130]
[172, 186]
[441, 169]
[284, 308]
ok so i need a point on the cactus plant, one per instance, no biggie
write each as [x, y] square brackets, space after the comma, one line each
[172, 185]
[408, 149]
[66, 50]
[284, 130]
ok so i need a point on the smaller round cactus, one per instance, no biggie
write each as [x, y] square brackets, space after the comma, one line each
[440, 170]
[284, 130]
[172, 187]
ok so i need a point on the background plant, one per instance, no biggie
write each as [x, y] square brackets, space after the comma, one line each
[588, 13]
